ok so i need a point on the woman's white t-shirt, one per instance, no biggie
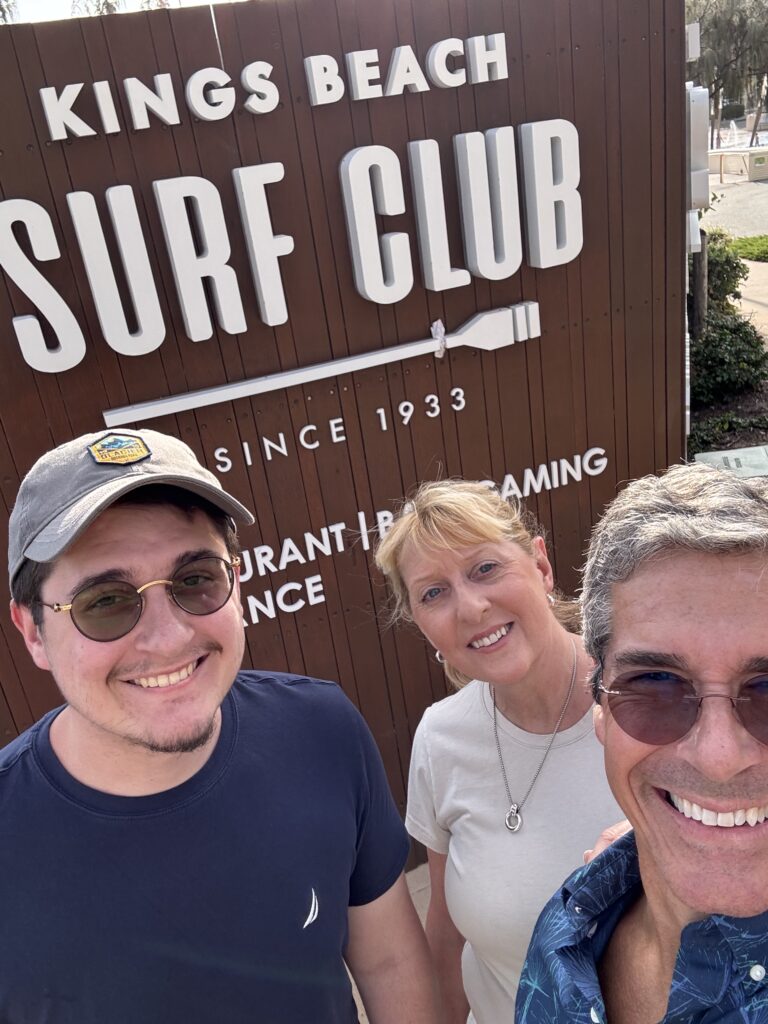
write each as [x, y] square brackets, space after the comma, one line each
[496, 881]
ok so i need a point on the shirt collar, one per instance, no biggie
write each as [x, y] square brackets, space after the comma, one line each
[609, 883]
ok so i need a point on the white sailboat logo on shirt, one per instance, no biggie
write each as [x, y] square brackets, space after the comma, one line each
[313, 911]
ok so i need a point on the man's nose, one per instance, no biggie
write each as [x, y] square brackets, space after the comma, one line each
[718, 745]
[162, 625]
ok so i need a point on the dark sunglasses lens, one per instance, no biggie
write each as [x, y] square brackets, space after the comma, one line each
[106, 611]
[203, 586]
[654, 712]
[754, 711]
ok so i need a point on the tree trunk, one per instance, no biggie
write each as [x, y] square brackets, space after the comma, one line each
[758, 112]
[699, 290]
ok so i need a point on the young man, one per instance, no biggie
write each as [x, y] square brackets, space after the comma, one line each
[670, 924]
[182, 842]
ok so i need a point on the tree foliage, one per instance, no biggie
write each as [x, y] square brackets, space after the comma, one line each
[729, 359]
[734, 46]
[7, 11]
[730, 356]
[725, 271]
[95, 7]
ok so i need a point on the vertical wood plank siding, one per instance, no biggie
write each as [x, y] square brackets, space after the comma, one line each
[607, 371]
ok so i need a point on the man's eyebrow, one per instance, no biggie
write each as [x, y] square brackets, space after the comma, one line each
[124, 576]
[192, 556]
[653, 659]
[98, 577]
[660, 659]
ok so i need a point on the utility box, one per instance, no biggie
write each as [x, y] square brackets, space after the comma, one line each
[741, 461]
[751, 162]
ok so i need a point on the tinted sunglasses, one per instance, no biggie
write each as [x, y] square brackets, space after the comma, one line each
[661, 707]
[109, 610]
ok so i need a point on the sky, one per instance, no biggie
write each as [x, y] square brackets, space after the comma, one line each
[50, 10]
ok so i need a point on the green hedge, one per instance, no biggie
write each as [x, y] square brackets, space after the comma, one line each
[727, 360]
[713, 433]
[725, 271]
[732, 112]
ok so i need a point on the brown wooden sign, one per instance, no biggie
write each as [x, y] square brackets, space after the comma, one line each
[340, 247]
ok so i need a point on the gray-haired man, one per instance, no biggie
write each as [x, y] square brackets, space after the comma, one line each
[182, 842]
[670, 923]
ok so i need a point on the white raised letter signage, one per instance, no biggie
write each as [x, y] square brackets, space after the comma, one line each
[71, 347]
[428, 195]
[264, 247]
[490, 214]
[189, 267]
[101, 275]
[551, 174]
[372, 184]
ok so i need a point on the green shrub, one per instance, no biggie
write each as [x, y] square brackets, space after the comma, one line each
[755, 248]
[725, 271]
[713, 433]
[732, 111]
[728, 359]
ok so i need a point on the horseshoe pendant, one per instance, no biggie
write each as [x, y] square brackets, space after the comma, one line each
[513, 819]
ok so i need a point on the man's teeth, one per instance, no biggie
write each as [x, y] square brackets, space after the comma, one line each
[723, 819]
[169, 680]
[491, 638]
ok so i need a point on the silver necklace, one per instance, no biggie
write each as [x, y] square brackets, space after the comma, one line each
[513, 819]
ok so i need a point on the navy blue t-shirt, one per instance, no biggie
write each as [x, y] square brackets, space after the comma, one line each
[221, 901]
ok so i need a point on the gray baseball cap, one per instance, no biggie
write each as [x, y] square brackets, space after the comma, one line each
[67, 488]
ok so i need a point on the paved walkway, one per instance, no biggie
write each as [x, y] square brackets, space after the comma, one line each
[740, 207]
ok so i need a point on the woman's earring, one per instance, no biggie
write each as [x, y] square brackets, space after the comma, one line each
[439, 658]
[551, 599]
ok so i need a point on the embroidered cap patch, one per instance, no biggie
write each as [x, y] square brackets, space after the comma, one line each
[119, 449]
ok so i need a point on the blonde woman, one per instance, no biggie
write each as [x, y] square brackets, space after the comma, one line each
[506, 785]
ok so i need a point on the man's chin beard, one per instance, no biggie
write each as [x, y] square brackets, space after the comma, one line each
[180, 744]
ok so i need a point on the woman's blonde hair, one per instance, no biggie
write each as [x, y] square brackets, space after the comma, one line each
[448, 514]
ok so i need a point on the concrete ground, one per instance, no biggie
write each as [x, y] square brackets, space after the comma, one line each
[738, 206]
[418, 886]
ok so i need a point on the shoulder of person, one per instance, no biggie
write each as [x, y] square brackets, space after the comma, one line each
[21, 747]
[597, 884]
[305, 695]
[453, 709]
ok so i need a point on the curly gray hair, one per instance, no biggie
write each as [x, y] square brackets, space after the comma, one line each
[693, 508]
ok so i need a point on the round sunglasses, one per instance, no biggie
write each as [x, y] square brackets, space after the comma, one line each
[661, 707]
[109, 609]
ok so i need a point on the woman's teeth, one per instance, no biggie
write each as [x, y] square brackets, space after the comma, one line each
[723, 819]
[169, 680]
[491, 638]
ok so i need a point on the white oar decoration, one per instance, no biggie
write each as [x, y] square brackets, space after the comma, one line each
[493, 329]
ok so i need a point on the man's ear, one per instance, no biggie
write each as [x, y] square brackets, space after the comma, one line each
[21, 616]
[598, 715]
[236, 585]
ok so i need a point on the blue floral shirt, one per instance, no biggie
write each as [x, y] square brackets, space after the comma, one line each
[720, 973]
